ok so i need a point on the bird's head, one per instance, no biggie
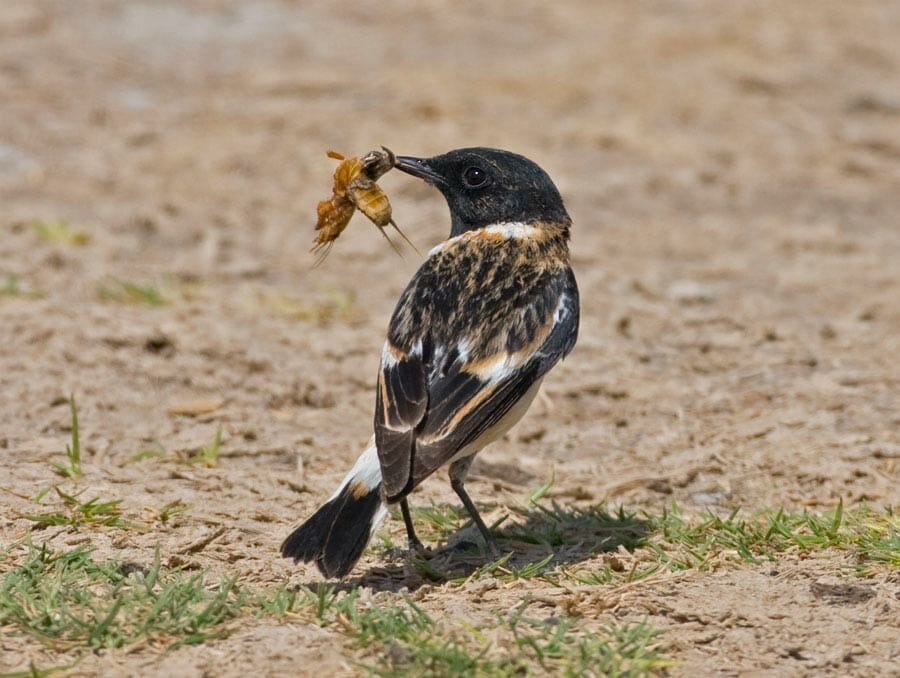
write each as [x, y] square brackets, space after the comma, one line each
[487, 186]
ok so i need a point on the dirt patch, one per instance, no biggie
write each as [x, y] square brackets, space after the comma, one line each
[734, 177]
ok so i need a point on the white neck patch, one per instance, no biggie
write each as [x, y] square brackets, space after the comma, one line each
[510, 229]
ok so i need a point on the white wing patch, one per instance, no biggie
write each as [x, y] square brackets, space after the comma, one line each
[498, 367]
[388, 359]
[504, 364]
[562, 309]
[391, 355]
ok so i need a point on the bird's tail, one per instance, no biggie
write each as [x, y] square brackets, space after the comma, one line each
[337, 534]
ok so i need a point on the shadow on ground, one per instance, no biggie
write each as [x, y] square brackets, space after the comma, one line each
[532, 541]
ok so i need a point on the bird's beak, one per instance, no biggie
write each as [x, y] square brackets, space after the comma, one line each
[418, 167]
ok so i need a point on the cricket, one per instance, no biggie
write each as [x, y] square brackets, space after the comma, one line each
[355, 187]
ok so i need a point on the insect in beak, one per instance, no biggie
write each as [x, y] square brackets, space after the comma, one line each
[418, 167]
[355, 188]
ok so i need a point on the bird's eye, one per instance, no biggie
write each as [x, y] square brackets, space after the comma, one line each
[475, 177]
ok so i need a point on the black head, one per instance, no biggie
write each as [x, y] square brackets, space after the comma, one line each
[485, 186]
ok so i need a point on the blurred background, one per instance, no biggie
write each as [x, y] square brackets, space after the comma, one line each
[732, 168]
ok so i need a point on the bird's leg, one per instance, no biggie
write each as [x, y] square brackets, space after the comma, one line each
[412, 539]
[458, 471]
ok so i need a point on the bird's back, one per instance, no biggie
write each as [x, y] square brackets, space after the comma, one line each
[481, 322]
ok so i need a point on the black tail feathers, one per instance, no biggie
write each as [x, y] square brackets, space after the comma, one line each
[337, 534]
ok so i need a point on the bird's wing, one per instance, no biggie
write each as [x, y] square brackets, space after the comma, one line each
[446, 391]
[401, 403]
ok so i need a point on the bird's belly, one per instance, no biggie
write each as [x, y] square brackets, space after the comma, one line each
[500, 429]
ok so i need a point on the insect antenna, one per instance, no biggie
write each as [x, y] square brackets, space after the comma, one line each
[403, 235]
[393, 245]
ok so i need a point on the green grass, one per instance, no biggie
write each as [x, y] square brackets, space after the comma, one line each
[700, 543]
[35, 672]
[75, 603]
[170, 510]
[674, 541]
[537, 540]
[438, 522]
[78, 513]
[407, 641]
[327, 305]
[13, 287]
[596, 528]
[72, 467]
[401, 639]
[157, 451]
[560, 647]
[503, 570]
[72, 602]
[59, 232]
[549, 540]
[70, 511]
[540, 523]
[123, 291]
[68, 600]
[208, 455]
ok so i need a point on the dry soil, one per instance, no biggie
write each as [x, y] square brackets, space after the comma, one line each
[733, 171]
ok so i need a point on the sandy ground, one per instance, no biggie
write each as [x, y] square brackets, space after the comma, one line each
[733, 170]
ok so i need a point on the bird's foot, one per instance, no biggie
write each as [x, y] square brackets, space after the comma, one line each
[417, 548]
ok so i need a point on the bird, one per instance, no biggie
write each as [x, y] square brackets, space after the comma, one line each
[490, 311]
